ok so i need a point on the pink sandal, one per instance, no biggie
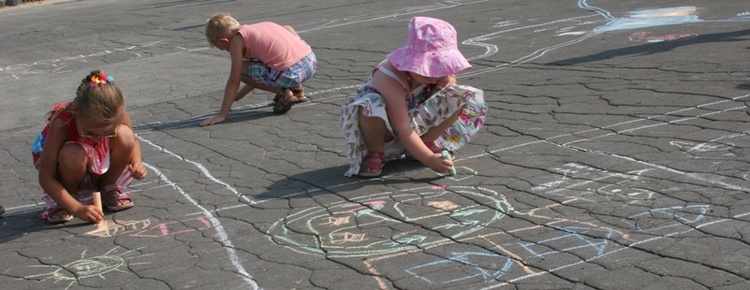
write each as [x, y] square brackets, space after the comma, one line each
[112, 197]
[434, 148]
[378, 166]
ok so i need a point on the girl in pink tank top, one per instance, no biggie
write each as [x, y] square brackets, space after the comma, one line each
[88, 145]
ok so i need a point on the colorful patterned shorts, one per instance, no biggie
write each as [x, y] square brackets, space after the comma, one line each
[288, 78]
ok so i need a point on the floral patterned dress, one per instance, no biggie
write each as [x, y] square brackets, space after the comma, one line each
[425, 110]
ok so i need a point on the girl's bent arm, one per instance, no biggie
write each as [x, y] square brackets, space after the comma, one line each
[394, 96]
[236, 47]
[136, 159]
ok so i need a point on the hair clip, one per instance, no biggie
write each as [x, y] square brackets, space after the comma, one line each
[103, 79]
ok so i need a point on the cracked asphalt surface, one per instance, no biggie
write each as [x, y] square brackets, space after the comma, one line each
[615, 153]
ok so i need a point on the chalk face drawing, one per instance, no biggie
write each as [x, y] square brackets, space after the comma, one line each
[390, 222]
[88, 267]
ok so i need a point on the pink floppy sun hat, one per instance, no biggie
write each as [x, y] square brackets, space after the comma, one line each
[430, 50]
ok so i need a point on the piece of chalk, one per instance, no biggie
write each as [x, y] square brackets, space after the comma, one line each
[447, 155]
[97, 197]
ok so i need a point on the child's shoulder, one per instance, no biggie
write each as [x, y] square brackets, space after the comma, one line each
[63, 109]
[263, 26]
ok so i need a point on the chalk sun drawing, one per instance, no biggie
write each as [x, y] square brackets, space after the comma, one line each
[89, 267]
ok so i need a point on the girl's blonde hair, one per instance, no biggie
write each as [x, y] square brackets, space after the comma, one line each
[99, 101]
[218, 25]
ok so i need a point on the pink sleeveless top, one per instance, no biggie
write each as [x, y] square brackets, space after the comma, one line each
[272, 44]
[64, 112]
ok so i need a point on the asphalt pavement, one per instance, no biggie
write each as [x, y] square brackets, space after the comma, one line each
[615, 153]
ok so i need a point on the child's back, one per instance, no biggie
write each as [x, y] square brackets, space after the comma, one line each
[265, 55]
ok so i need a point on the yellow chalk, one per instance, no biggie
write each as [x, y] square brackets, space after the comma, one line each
[97, 197]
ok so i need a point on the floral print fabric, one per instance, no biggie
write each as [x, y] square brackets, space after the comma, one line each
[424, 115]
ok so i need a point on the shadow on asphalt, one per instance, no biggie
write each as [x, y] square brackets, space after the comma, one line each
[16, 225]
[332, 180]
[745, 86]
[656, 47]
[235, 116]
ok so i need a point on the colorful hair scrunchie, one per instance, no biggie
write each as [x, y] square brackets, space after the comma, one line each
[100, 79]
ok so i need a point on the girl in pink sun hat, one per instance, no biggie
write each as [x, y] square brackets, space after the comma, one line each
[412, 104]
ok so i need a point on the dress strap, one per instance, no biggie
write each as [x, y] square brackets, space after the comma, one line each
[391, 74]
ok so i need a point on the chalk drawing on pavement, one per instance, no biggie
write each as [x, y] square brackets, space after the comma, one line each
[572, 238]
[365, 226]
[644, 36]
[56, 65]
[106, 229]
[497, 256]
[587, 184]
[485, 266]
[668, 217]
[344, 237]
[166, 229]
[90, 267]
[718, 148]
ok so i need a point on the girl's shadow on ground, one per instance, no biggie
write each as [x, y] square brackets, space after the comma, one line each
[332, 180]
[235, 116]
[16, 225]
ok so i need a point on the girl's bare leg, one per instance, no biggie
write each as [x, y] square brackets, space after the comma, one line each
[71, 166]
[121, 150]
[375, 134]
[71, 170]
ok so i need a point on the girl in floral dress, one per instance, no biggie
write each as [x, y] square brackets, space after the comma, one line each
[412, 104]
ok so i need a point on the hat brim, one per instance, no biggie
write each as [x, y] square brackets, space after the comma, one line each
[433, 64]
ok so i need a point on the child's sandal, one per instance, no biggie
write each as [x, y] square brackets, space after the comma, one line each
[372, 165]
[299, 91]
[434, 148]
[280, 106]
[114, 197]
[59, 216]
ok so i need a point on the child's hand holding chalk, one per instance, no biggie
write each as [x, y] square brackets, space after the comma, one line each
[447, 155]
